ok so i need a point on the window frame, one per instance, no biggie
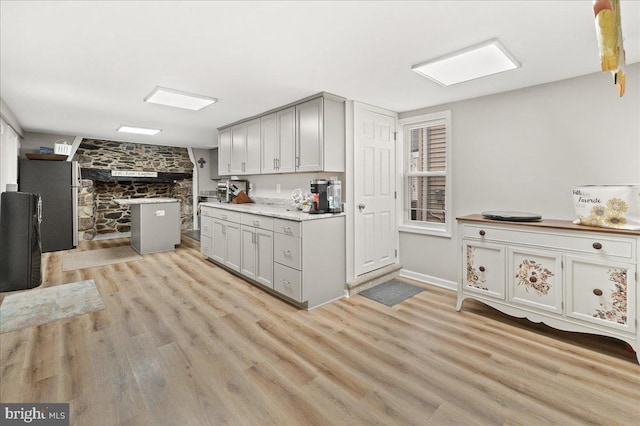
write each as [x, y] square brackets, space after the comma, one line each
[406, 224]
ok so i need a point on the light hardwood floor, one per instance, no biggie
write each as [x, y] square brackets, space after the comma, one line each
[184, 342]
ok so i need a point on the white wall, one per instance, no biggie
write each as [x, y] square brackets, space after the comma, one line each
[203, 180]
[524, 150]
[9, 147]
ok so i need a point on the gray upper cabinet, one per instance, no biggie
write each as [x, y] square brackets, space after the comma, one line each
[245, 148]
[269, 142]
[252, 149]
[279, 141]
[238, 148]
[286, 122]
[306, 136]
[320, 135]
[310, 139]
[213, 164]
[224, 152]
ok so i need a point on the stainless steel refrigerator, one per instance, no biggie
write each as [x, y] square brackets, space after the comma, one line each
[20, 254]
[58, 183]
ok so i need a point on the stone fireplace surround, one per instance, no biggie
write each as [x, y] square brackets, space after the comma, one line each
[98, 213]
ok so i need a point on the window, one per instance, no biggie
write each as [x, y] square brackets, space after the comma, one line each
[427, 197]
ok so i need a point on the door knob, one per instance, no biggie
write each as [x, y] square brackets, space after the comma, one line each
[361, 206]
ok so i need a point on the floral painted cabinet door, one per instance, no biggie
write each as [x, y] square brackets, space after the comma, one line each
[484, 269]
[602, 292]
[535, 279]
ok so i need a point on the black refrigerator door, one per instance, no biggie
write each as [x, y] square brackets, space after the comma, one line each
[20, 255]
[53, 181]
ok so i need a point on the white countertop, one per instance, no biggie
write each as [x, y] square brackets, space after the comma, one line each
[131, 201]
[273, 209]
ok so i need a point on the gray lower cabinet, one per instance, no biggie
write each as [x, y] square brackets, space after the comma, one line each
[300, 261]
[309, 260]
[155, 227]
[225, 238]
[257, 248]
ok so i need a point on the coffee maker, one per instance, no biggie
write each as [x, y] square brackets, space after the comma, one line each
[327, 196]
[319, 193]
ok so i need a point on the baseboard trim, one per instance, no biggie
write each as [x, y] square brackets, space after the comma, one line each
[428, 279]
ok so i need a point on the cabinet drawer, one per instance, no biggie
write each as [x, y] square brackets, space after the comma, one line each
[287, 281]
[205, 226]
[206, 211]
[257, 221]
[287, 227]
[595, 243]
[229, 215]
[286, 250]
[206, 245]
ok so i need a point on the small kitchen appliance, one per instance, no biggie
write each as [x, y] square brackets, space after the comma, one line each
[334, 196]
[319, 193]
[229, 189]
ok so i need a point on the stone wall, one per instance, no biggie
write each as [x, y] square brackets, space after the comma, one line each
[183, 191]
[99, 214]
[102, 154]
[86, 212]
[111, 216]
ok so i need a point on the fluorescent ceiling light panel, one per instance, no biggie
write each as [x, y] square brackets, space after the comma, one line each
[138, 130]
[179, 99]
[473, 62]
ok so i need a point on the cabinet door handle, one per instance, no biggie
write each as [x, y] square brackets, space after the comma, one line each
[482, 269]
[228, 167]
[243, 166]
[285, 282]
[274, 164]
[482, 233]
[286, 252]
[224, 217]
[278, 163]
[597, 246]
[256, 223]
[297, 161]
[597, 292]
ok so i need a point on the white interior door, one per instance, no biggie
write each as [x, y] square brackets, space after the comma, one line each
[374, 197]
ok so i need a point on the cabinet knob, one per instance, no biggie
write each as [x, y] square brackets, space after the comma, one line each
[597, 292]
[482, 232]
[597, 246]
[481, 269]
[533, 279]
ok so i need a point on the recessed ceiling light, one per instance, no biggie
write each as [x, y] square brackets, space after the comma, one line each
[480, 60]
[179, 99]
[138, 130]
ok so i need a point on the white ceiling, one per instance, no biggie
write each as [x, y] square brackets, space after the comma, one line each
[83, 67]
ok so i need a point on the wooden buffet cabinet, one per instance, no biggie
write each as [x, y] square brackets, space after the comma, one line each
[570, 277]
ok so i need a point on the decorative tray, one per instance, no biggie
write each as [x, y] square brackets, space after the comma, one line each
[53, 157]
[512, 216]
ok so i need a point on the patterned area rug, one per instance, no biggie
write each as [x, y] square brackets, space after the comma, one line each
[100, 257]
[391, 293]
[35, 307]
